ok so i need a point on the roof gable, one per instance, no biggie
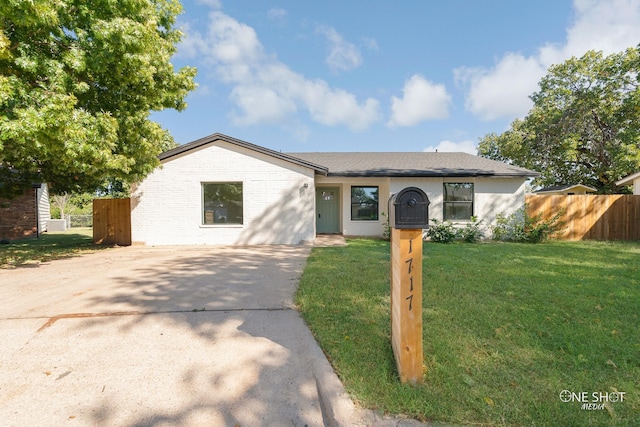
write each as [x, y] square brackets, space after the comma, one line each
[207, 140]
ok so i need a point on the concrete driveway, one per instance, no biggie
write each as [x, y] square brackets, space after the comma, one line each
[143, 336]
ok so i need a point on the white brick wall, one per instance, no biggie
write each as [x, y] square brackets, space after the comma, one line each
[278, 209]
[497, 195]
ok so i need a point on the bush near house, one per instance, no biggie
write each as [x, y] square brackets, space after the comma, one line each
[447, 232]
[520, 226]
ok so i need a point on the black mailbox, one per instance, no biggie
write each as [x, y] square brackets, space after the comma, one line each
[409, 208]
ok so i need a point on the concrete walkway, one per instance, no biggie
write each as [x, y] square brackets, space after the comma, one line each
[166, 337]
[329, 240]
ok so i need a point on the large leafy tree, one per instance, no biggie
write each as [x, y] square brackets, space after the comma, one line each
[584, 126]
[78, 81]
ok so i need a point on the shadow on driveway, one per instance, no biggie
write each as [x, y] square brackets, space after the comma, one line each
[158, 336]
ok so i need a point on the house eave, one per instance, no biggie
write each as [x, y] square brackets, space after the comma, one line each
[202, 142]
[566, 188]
[426, 174]
[628, 180]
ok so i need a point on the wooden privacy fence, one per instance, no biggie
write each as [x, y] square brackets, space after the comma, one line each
[591, 217]
[112, 222]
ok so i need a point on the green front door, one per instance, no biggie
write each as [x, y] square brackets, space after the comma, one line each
[328, 210]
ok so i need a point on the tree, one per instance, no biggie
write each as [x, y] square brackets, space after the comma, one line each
[584, 126]
[74, 204]
[78, 81]
[61, 201]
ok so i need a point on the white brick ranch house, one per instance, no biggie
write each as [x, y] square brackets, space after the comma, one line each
[221, 190]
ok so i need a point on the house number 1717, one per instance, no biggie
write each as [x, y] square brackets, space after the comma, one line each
[410, 271]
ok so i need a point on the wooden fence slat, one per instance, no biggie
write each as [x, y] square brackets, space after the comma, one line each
[593, 217]
[112, 222]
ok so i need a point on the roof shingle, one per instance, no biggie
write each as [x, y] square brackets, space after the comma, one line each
[411, 164]
[374, 164]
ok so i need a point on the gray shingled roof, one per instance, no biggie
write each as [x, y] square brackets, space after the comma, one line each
[374, 164]
[412, 164]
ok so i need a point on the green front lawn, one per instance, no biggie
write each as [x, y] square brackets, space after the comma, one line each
[47, 247]
[507, 328]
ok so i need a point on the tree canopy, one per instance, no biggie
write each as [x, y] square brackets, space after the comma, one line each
[584, 127]
[78, 81]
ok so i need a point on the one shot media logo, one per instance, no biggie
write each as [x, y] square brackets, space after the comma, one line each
[592, 401]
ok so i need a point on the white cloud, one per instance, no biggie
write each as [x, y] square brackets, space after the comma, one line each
[607, 25]
[503, 90]
[370, 43]
[216, 4]
[451, 146]
[277, 15]
[343, 56]
[336, 106]
[191, 43]
[422, 100]
[202, 91]
[259, 104]
[232, 42]
[264, 90]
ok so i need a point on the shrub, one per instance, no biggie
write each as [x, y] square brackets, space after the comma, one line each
[442, 231]
[520, 227]
[509, 228]
[386, 232]
[471, 232]
[538, 230]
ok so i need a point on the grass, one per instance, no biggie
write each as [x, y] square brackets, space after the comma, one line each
[507, 327]
[49, 246]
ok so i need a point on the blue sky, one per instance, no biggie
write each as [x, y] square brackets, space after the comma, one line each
[418, 75]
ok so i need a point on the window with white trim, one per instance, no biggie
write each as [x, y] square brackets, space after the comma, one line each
[222, 203]
[458, 201]
[364, 203]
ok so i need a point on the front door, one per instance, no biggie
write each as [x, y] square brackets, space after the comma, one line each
[327, 210]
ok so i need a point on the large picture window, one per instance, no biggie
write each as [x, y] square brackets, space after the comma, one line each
[364, 203]
[222, 203]
[458, 201]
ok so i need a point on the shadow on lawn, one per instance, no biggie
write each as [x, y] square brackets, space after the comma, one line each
[48, 247]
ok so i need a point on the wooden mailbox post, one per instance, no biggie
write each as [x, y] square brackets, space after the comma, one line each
[408, 216]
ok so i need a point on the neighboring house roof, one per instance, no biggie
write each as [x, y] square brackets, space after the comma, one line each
[200, 143]
[628, 180]
[374, 164]
[412, 164]
[566, 187]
